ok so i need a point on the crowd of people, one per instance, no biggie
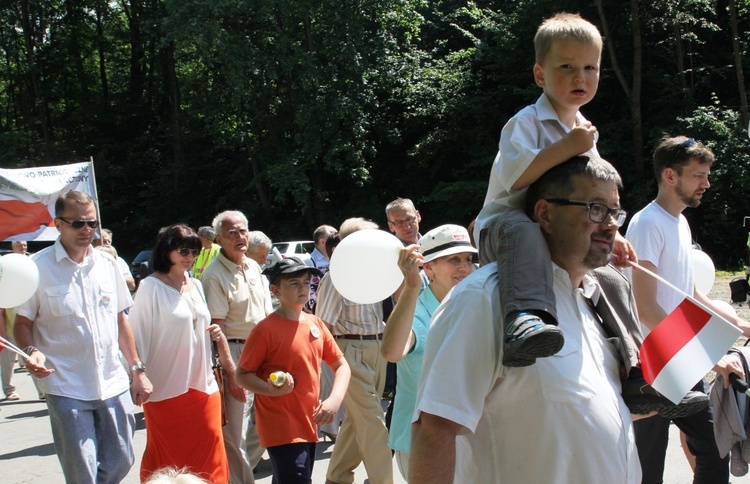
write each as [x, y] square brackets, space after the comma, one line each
[524, 368]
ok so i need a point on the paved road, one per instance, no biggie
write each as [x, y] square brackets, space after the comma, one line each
[27, 454]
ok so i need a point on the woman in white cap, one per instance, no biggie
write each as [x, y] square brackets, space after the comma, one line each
[446, 256]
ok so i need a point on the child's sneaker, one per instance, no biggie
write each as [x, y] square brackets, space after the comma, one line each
[642, 399]
[528, 338]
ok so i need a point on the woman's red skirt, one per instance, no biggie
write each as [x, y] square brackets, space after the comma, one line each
[185, 431]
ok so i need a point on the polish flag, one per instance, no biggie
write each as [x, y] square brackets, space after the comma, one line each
[684, 347]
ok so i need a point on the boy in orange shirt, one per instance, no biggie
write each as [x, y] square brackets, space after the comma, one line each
[296, 343]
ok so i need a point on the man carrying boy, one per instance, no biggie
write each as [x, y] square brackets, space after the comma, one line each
[560, 420]
[294, 342]
[539, 137]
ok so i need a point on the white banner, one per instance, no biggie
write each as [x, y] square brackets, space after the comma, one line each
[28, 195]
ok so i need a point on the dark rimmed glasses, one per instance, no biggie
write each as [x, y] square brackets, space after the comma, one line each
[598, 212]
[407, 222]
[78, 224]
[185, 251]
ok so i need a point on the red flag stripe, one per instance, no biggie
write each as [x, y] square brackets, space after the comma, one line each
[670, 335]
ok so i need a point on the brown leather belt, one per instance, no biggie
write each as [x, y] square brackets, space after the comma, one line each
[361, 337]
[240, 341]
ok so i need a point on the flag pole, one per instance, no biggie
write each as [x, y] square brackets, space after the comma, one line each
[680, 291]
[4, 342]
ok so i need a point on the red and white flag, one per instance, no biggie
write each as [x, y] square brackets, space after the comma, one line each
[684, 347]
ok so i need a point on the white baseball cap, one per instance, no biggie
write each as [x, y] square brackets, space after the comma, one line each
[445, 240]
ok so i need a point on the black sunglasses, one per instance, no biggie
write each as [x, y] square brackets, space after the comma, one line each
[78, 224]
[683, 147]
[184, 251]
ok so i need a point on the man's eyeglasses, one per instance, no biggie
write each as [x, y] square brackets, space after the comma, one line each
[184, 252]
[78, 224]
[234, 233]
[409, 221]
[598, 212]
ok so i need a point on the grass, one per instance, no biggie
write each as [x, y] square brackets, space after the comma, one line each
[724, 274]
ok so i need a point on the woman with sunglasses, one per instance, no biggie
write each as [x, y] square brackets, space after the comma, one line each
[446, 256]
[173, 334]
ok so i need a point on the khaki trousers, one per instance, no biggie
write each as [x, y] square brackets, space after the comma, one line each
[363, 436]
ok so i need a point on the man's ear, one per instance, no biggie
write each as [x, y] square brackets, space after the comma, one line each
[669, 176]
[539, 75]
[274, 289]
[542, 215]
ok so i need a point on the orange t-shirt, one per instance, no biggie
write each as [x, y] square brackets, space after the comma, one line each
[296, 347]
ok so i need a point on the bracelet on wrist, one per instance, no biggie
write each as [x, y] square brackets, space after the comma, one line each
[30, 349]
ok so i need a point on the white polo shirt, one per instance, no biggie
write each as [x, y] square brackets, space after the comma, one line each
[75, 310]
[561, 420]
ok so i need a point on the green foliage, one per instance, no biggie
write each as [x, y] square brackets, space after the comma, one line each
[305, 112]
[718, 223]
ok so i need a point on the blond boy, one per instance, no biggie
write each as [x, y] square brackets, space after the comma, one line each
[539, 137]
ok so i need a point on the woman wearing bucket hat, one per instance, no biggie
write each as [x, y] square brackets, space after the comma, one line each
[446, 256]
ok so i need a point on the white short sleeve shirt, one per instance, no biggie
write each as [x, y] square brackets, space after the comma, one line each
[75, 311]
[561, 420]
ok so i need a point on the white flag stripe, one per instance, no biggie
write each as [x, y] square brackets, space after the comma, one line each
[695, 359]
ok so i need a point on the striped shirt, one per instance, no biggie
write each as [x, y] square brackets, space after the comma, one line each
[347, 317]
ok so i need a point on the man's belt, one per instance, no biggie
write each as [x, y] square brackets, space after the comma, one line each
[361, 337]
[240, 341]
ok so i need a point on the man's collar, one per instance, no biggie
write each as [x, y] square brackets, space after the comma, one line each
[229, 264]
[588, 287]
[61, 253]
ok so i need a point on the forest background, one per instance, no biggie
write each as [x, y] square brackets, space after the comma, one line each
[303, 112]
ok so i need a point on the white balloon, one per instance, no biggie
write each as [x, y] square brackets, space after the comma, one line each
[19, 278]
[364, 266]
[726, 306]
[703, 271]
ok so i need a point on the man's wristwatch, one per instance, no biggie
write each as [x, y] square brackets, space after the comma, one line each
[138, 366]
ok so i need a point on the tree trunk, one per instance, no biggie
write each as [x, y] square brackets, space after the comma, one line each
[37, 113]
[100, 42]
[738, 61]
[680, 58]
[173, 113]
[633, 90]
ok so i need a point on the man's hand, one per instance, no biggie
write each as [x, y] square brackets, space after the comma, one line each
[35, 365]
[236, 391]
[581, 138]
[141, 388]
[623, 252]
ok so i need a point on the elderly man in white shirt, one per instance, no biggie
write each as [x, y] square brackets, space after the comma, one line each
[74, 328]
[560, 420]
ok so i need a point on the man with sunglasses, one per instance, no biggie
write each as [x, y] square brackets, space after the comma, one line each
[74, 328]
[661, 236]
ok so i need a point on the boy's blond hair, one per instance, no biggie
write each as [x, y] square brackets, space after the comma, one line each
[565, 26]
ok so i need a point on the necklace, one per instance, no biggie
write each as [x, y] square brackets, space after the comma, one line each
[177, 285]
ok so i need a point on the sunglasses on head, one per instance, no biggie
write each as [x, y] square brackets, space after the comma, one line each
[78, 224]
[184, 252]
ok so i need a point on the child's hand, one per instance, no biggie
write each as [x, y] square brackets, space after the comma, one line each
[325, 412]
[581, 138]
[623, 252]
[284, 389]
